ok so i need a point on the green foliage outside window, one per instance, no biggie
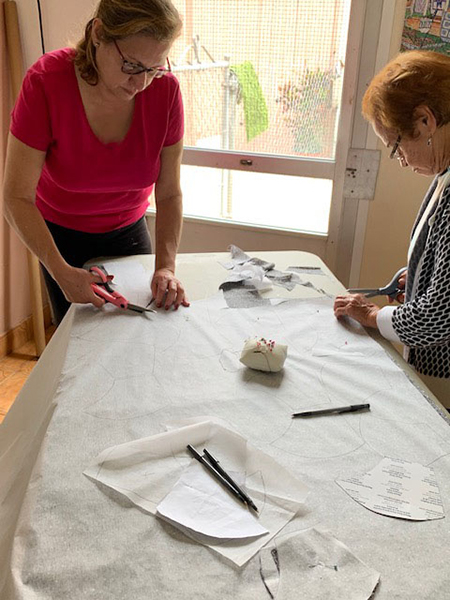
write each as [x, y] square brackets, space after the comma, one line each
[308, 108]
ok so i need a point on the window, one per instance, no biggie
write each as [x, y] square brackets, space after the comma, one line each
[262, 85]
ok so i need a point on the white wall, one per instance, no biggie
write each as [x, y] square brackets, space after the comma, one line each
[63, 22]
[204, 236]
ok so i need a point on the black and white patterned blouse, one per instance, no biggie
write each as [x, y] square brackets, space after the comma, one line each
[422, 323]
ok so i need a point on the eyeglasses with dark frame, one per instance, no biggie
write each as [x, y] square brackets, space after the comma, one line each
[130, 68]
[395, 153]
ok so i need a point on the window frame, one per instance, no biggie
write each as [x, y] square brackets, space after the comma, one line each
[341, 230]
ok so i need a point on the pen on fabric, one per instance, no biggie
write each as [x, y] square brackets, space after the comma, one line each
[226, 484]
[332, 411]
[224, 474]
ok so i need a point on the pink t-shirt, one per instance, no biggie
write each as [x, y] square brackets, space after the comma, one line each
[85, 184]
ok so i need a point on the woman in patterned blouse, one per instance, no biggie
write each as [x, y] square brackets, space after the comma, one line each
[408, 105]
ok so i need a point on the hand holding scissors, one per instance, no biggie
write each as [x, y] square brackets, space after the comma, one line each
[105, 291]
[392, 289]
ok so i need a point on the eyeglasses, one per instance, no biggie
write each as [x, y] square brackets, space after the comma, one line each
[395, 148]
[135, 69]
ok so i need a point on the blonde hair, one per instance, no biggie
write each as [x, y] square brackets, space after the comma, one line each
[412, 79]
[158, 19]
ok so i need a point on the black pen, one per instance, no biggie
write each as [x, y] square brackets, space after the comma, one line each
[332, 411]
[226, 484]
[216, 465]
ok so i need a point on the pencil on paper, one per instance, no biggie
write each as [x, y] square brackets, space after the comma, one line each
[222, 476]
[216, 465]
[332, 411]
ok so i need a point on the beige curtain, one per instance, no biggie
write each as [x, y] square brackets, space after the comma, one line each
[5, 242]
[17, 263]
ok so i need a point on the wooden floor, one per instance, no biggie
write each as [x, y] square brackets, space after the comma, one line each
[14, 370]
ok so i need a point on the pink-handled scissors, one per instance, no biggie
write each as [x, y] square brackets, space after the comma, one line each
[105, 291]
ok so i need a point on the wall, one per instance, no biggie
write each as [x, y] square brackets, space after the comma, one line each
[210, 236]
[63, 22]
[398, 195]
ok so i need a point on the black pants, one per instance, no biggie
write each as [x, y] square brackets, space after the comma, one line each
[77, 247]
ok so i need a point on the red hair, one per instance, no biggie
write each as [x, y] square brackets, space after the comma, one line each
[411, 79]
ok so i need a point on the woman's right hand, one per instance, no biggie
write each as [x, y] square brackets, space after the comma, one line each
[76, 286]
[402, 286]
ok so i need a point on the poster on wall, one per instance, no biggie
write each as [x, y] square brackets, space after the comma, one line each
[427, 26]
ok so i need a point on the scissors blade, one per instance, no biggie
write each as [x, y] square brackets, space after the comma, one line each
[391, 289]
[139, 309]
[363, 290]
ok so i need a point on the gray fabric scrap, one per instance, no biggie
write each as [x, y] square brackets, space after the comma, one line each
[307, 270]
[237, 295]
[239, 257]
[281, 279]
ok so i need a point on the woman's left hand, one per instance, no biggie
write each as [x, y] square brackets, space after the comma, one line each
[358, 307]
[167, 290]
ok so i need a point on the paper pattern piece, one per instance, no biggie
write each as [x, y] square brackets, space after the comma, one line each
[315, 565]
[200, 503]
[131, 280]
[147, 469]
[398, 488]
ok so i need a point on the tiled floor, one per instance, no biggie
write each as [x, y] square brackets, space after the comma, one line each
[14, 370]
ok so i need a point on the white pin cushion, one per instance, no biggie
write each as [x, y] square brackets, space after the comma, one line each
[263, 355]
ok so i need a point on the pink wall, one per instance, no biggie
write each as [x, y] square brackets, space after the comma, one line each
[14, 290]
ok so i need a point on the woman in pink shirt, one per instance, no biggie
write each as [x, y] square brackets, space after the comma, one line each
[93, 131]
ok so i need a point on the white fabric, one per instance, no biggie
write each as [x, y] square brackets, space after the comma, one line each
[125, 376]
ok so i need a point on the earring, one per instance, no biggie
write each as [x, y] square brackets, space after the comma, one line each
[96, 44]
[429, 141]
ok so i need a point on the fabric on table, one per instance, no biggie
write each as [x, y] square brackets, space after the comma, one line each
[126, 375]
